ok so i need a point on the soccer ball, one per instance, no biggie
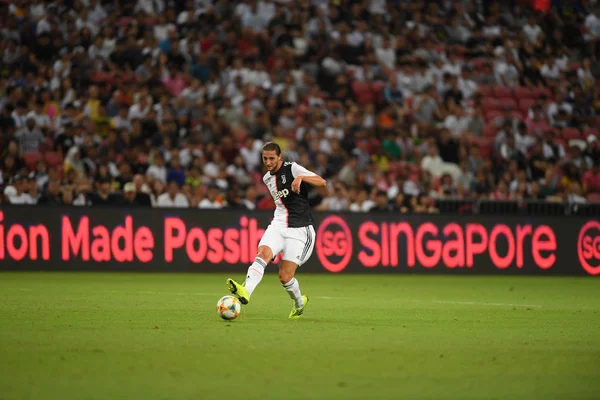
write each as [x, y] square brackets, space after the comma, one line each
[228, 308]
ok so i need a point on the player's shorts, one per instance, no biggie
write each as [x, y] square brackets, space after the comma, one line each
[297, 244]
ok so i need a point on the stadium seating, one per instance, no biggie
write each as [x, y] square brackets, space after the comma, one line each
[232, 75]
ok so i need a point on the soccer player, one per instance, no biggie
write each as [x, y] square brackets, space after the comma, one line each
[290, 231]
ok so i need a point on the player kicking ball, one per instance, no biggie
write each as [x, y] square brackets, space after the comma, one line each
[291, 230]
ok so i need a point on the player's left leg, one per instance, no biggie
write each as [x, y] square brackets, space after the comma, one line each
[298, 247]
[287, 272]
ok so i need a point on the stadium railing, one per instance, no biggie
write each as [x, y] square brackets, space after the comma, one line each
[516, 207]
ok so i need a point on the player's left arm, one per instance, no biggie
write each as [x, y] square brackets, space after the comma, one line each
[301, 174]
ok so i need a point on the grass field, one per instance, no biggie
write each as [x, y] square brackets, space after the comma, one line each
[147, 336]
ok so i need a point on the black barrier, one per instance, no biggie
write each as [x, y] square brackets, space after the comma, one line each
[170, 240]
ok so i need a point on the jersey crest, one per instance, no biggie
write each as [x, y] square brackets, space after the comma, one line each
[283, 179]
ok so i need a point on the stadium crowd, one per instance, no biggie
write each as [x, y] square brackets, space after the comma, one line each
[396, 103]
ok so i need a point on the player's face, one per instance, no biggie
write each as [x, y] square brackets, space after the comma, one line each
[271, 160]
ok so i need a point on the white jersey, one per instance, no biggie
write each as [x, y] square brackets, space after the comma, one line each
[292, 209]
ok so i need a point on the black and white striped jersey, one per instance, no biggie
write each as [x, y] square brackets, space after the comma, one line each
[292, 209]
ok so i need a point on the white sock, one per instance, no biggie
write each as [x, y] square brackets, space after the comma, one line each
[255, 274]
[293, 289]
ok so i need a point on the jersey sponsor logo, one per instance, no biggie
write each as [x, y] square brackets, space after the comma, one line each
[283, 179]
[282, 193]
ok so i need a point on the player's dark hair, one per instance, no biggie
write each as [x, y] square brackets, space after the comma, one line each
[272, 146]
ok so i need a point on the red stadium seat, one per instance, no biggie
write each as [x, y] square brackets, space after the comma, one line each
[46, 145]
[363, 92]
[460, 51]
[525, 104]
[256, 177]
[561, 141]
[524, 93]
[262, 189]
[490, 103]
[479, 63]
[571, 133]
[543, 91]
[486, 146]
[378, 91]
[53, 159]
[502, 91]
[508, 102]
[61, 171]
[493, 114]
[490, 131]
[486, 91]
[593, 197]
[124, 21]
[396, 167]
[31, 159]
[487, 151]
[518, 115]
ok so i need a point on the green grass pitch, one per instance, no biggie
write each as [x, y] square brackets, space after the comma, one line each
[158, 336]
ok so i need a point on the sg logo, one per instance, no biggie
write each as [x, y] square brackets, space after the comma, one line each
[588, 247]
[334, 244]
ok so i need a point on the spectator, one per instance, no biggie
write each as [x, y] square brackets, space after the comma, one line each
[422, 204]
[212, 199]
[535, 192]
[533, 32]
[133, 198]
[553, 150]
[509, 150]
[233, 201]
[66, 140]
[103, 195]
[52, 195]
[42, 120]
[337, 199]
[428, 110]
[591, 180]
[30, 137]
[237, 173]
[73, 162]
[578, 156]
[574, 195]
[18, 194]
[31, 187]
[361, 202]
[142, 189]
[537, 124]
[392, 92]
[381, 203]
[457, 121]
[250, 200]
[447, 187]
[176, 172]
[172, 198]
[432, 162]
[157, 169]
[592, 30]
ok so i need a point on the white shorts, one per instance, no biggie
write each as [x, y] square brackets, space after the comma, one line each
[297, 244]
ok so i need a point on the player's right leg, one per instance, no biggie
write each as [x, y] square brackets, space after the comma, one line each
[270, 245]
[253, 276]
